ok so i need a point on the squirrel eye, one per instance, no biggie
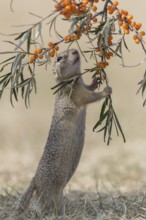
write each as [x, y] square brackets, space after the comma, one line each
[59, 58]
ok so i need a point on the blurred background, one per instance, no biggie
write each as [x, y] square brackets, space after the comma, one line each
[23, 132]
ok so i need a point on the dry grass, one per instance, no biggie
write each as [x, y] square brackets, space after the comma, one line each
[114, 205]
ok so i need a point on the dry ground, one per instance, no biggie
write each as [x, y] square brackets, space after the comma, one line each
[113, 205]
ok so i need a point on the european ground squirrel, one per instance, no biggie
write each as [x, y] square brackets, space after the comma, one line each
[66, 137]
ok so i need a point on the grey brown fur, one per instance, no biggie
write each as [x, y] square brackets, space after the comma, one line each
[66, 137]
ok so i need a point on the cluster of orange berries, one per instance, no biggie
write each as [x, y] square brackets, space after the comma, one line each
[70, 7]
[74, 36]
[111, 8]
[105, 55]
[36, 54]
[53, 50]
[126, 22]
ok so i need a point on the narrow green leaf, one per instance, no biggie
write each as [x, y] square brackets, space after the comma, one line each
[116, 126]
[110, 131]
[28, 42]
[4, 77]
[125, 44]
[60, 87]
[20, 35]
[5, 83]
[11, 58]
[101, 120]
[27, 95]
[23, 87]
[38, 32]
[103, 108]
[24, 83]
[16, 63]
[24, 37]
[119, 126]
[13, 93]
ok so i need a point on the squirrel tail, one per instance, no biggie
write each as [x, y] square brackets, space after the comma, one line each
[25, 199]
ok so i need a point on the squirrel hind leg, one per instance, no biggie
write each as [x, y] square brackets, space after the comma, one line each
[51, 202]
[25, 200]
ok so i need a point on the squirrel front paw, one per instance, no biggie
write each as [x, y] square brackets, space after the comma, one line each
[108, 91]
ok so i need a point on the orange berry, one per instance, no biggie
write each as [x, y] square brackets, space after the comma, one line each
[72, 37]
[73, 7]
[50, 44]
[120, 22]
[90, 15]
[83, 8]
[142, 33]
[120, 11]
[107, 56]
[94, 19]
[110, 42]
[123, 16]
[94, 8]
[115, 3]
[98, 64]
[106, 64]
[125, 12]
[138, 26]
[58, 7]
[111, 11]
[108, 7]
[66, 38]
[39, 50]
[85, 2]
[51, 53]
[133, 23]
[56, 47]
[40, 57]
[135, 37]
[110, 53]
[76, 37]
[130, 17]
[34, 51]
[68, 15]
[110, 37]
[65, 3]
[125, 26]
[68, 7]
[32, 58]
[137, 41]
[126, 31]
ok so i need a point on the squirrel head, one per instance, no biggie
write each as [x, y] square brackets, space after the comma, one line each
[67, 64]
